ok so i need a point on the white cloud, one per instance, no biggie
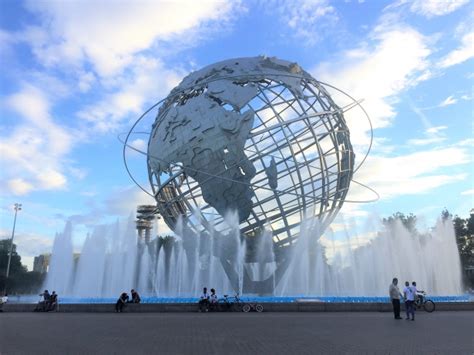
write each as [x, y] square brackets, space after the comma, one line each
[115, 48]
[468, 192]
[393, 59]
[35, 149]
[147, 81]
[426, 141]
[108, 33]
[433, 135]
[308, 19]
[120, 44]
[431, 8]
[116, 204]
[450, 100]
[464, 52]
[436, 129]
[414, 173]
[466, 142]
[120, 202]
[378, 71]
[140, 145]
[86, 80]
[19, 186]
[51, 179]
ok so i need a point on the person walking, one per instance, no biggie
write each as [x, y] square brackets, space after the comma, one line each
[395, 294]
[409, 296]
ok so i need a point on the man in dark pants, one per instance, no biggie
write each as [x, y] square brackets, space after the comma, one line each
[121, 302]
[395, 297]
[204, 301]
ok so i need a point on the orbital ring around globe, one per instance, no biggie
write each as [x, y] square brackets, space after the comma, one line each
[350, 106]
[267, 143]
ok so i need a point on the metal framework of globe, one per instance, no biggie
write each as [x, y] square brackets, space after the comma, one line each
[258, 136]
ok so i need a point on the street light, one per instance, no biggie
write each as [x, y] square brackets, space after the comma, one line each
[17, 208]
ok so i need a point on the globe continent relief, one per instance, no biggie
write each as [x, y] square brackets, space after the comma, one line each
[257, 136]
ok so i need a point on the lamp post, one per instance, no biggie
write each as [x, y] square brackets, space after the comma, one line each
[17, 208]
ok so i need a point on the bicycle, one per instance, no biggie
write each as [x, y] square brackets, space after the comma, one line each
[257, 307]
[421, 300]
[232, 304]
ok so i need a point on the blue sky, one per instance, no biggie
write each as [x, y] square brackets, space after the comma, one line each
[76, 74]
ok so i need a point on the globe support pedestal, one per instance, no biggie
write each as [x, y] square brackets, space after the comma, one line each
[249, 286]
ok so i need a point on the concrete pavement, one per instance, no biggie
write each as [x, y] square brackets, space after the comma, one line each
[236, 333]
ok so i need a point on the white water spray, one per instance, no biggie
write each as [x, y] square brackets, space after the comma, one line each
[111, 261]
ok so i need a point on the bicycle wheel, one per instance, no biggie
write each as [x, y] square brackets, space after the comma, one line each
[259, 308]
[429, 306]
[246, 308]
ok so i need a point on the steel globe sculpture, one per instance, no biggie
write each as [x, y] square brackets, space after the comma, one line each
[257, 137]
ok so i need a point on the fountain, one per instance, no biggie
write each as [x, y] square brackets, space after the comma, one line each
[113, 259]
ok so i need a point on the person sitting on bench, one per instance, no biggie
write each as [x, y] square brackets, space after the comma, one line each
[135, 297]
[3, 300]
[44, 302]
[53, 302]
[121, 302]
[204, 301]
[213, 300]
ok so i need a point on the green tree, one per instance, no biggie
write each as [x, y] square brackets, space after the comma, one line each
[20, 281]
[464, 231]
[15, 264]
[409, 221]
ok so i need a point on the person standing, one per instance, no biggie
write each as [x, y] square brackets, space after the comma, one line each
[395, 294]
[409, 296]
[415, 296]
[407, 306]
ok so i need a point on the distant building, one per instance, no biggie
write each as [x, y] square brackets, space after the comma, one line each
[41, 263]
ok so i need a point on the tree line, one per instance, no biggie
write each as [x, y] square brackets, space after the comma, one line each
[20, 280]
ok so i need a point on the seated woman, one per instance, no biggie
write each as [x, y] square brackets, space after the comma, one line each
[135, 297]
[213, 300]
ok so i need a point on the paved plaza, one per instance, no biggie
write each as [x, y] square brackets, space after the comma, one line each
[235, 333]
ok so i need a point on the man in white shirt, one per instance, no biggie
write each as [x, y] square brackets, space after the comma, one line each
[3, 300]
[213, 300]
[395, 294]
[204, 301]
[409, 301]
